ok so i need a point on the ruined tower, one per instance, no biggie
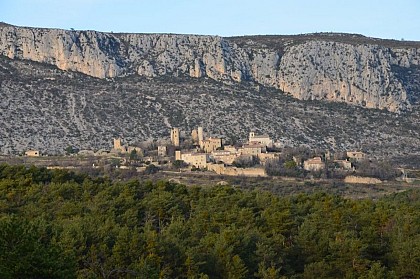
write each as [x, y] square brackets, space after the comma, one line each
[200, 134]
[194, 136]
[117, 143]
[175, 136]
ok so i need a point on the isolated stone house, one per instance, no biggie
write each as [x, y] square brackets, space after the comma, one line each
[32, 153]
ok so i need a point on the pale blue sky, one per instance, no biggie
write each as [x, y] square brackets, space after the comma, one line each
[385, 19]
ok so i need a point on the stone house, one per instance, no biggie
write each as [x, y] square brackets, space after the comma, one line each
[175, 136]
[266, 156]
[314, 164]
[260, 139]
[211, 144]
[230, 148]
[252, 149]
[224, 156]
[356, 155]
[32, 153]
[120, 148]
[199, 160]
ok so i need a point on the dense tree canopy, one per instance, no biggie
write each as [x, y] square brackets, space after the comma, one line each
[57, 224]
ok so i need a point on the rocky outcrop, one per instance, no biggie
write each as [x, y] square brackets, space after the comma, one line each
[360, 75]
[92, 53]
[371, 75]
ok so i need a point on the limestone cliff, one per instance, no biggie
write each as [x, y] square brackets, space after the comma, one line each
[369, 73]
[360, 75]
[89, 52]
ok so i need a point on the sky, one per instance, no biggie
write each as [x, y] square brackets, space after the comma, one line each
[399, 19]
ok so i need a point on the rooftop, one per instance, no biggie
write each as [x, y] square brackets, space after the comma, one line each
[315, 160]
[253, 146]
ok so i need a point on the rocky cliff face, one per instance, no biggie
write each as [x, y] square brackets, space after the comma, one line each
[371, 74]
[360, 75]
[92, 53]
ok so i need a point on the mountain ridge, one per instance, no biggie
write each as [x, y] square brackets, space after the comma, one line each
[323, 34]
[312, 66]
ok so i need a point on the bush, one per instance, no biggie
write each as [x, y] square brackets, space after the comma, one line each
[179, 164]
[377, 169]
[151, 169]
[281, 167]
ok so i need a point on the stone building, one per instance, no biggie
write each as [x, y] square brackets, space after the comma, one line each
[175, 136]
[314, 164]
[264, 157]
[162, 151]
[230, 148]
[199, 160]
[32, 153]
[194, 136]
[211, 144]
[252, 149]
[356, 155]
[260, 139]
[224, 156]
[120, 148]
[200, 134]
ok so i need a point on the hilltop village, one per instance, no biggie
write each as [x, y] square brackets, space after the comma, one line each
[258, 156]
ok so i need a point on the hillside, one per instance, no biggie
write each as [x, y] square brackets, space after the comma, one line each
[89, 87]
[48, 109]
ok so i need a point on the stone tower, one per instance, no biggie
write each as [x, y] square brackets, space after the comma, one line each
[251, 137]
[175, 136]
[117, 143]
[194, 136]
[200, 134]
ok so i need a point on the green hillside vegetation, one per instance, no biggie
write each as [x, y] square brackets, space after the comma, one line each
[58, 224]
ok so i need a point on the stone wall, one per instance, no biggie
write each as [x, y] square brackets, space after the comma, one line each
[361, 180]
[233, 171]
